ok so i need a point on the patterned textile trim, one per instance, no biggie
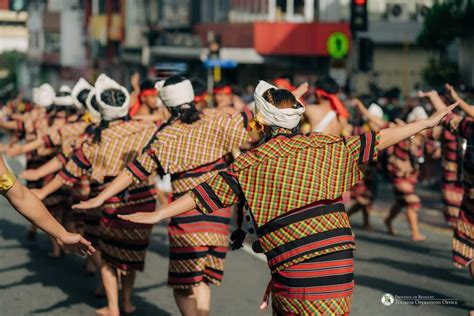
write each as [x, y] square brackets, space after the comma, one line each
[319, 286]
[463, 239]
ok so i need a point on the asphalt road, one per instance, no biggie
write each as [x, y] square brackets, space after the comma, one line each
[33, 284]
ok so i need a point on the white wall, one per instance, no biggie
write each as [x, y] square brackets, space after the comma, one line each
[72, 37]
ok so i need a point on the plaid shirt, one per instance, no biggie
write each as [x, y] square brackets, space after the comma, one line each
[65, 137]
[293, 185]
[192, 152]
[120, 143]
[464, 127]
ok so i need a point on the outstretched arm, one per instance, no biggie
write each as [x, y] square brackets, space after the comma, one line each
[48, 189]
[393, 135]
[365, 112]
[120, 183]
[28, 205]
[434, 98]
[48, 168]
[469, 109]
[28, 147]
[182, 205]
[10, 125]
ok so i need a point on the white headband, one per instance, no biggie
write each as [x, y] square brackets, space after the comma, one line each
[81, 85]
[108, 112]
[94, 113]
[44, 95]
[65, 100]
[417, 114]
[176, 94]
[376, 110]
[269, 114]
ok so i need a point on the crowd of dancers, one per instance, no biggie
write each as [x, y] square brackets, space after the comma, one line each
[108, 163]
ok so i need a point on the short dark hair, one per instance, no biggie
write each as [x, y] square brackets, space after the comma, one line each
[327, 84]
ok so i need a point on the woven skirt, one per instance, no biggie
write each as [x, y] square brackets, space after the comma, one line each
[198, 247]
[319, 286]
[123, 244]
[463, 240]
[404, 190]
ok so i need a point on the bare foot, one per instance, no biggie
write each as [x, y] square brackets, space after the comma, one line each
[418, 237]
[128, 309]
[106, 311]
[390, 229]
[471, 313]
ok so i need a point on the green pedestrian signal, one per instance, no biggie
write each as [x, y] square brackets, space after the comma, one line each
[338, 45]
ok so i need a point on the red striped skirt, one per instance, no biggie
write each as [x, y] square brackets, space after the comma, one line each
[452, 198]
[319, 286]
[123, 244]
[404, 190]
[463, 239]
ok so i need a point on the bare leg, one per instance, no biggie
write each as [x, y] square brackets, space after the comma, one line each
[128, 281]
[365, 215]
[412, 217]
[394, 211]
[203, 298]
[96, 260]
[109, 279]
[354, 208]
[186, 301]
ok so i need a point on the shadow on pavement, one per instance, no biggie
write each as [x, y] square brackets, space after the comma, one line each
[444, 274]
[408, 245]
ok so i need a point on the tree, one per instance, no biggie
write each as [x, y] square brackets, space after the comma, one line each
[445, 21]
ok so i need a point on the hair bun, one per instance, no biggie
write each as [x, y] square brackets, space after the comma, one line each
[113, 97]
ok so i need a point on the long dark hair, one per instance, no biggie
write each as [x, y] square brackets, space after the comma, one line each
[186, 113]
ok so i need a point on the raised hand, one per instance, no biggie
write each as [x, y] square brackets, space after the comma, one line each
[75, 243]
[301, 90]
[452, 92]
[142, 218]
[434, 119]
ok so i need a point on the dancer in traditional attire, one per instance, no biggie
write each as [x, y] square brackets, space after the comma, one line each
[114, 143]
[328, 115]
[463, 240]
[403, 167]
[293, 185]
[365, 190]
[192, 148]
[452, 154]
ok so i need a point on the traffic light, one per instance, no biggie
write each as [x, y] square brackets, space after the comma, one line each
[366, 52]
[18, 5]
[359, 19]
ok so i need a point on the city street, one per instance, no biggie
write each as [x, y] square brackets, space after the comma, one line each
[32, 283]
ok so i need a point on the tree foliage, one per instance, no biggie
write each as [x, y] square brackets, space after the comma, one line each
[445, 21]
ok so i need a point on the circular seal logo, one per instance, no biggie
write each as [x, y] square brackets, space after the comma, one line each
[387, 299]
